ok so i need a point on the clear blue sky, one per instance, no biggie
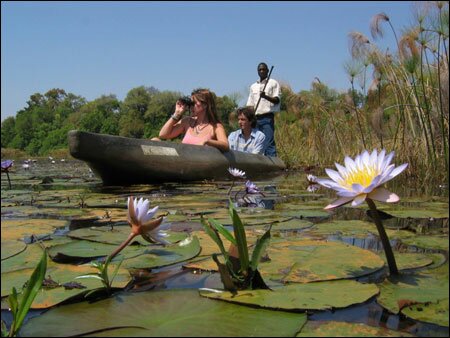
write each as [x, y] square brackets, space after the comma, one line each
[100, 48]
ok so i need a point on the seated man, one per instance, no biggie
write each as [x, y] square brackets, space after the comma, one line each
[248, 138]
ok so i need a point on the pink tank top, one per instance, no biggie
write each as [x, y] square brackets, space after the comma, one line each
[191, 138]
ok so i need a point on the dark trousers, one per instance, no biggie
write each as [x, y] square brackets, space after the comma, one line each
[266, 124]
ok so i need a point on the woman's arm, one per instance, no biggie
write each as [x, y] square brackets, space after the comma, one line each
[222, 141]
[174, 126]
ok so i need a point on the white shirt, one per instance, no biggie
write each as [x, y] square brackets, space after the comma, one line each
[273, 89]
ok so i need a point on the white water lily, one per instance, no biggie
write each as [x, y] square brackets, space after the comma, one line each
[236, 172]
[142, 223]
[138, 211]
[362, 178]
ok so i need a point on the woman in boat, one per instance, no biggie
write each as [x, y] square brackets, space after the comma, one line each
[203, 127]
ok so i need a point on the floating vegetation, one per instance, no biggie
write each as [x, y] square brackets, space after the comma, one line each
[315, 261]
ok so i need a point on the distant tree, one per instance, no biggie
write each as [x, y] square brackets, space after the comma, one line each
[94, 115]
[225, 106]
[8, 131]
[134, 107]
[160, 108]
[131, 125]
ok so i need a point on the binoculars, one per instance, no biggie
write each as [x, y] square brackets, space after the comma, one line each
[186, 100]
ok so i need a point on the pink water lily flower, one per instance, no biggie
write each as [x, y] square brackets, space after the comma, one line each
[362, 178]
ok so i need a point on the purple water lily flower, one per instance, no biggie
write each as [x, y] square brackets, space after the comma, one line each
[6, 165]
[251, 188]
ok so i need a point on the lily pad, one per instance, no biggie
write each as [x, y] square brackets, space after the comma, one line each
[117, 234]
[409, 289]
[406, 260]
[61, 274]
[27, 258]
[418, 210]
[309, 296]
[11, 248]
[344, 228]
[436, 313]
[18, 229]
[173, 313]
[343, 329]
[306, 261]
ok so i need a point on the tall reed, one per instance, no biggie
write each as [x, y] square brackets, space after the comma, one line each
[405, 108]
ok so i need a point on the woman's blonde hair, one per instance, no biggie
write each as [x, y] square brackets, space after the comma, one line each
[208, 98]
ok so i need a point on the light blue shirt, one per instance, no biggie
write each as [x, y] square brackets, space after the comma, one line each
[253, 145]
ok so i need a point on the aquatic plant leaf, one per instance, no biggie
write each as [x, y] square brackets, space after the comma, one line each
[405, 290]
[422, 209]
[436, 313]
[343, 228]
[308, 213]
[222, 230]
[173, 313]
[10, 248]
[19, 229]
[27, 258]
[407, 260]
[309, 296]
[117, 234]
[21, 305]
[259, 250]
[426, 242]
[318, 328]
[61, 273]
[155, 256]
[241, 239]
[303, 261]
[136, 256]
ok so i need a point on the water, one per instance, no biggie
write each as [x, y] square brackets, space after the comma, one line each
[73, 189]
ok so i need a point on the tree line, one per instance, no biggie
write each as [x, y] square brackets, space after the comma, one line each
[43, 125]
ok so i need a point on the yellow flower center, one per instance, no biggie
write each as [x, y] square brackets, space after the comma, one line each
[363, 176]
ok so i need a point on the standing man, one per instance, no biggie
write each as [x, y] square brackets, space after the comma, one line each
[269, 104]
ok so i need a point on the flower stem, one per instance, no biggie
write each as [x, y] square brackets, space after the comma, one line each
[384, 238]
[122, 246]
[232, 185]
[9, 181]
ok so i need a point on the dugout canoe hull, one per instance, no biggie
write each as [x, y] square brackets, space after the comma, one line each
[126, 161]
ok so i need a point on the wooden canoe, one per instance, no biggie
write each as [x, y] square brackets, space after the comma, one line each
[125, 161]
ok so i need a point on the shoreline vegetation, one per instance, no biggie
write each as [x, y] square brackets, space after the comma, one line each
[397, 100]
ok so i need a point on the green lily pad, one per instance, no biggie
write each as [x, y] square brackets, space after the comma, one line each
[405, 209]
[156, 257]
[309, 296]
[436, 313]
[343, 329]
[18, 229]
[427, 242]
[136, 256]
[306, 261]
[344, 228]
[172, 313]
[409, 289]
[406, 260]
[116, 235]
[61, 273]
[11, 248]
[27, 258]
